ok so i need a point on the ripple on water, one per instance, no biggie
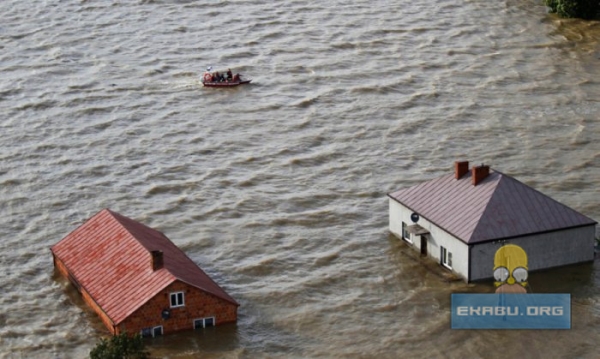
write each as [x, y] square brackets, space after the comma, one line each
[277, 189]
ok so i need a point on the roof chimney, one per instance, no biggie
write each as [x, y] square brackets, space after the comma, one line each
[157, 260]
[479, 173]
[460, 168]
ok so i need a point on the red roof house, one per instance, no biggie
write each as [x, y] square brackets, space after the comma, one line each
[137, 280]
[462, 218]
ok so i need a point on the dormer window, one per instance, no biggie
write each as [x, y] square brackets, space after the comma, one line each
[177, 300]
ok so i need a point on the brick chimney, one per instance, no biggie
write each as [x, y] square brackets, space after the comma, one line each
[461, 168]
[479, 173]
[157, 260]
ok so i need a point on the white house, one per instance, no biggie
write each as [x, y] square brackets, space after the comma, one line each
[461, 219]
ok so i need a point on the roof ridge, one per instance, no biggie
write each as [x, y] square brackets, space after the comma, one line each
[80, 225]
[166, 243]
[111, 253]
[546, 196]
[517, 209]
[172, 271]
[487, 203]
[500, 206]
[487, 208]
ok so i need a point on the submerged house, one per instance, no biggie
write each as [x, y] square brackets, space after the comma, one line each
[137, 280]
[462, 218]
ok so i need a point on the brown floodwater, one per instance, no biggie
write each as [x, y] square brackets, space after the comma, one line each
[278, 189]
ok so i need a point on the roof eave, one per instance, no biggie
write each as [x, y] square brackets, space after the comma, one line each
[432, 222]
[150, 297]
[593, 223]
[83, 287]
[229, 299]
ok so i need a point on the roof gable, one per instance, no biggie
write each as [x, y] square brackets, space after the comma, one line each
[109, 255]
[498, 207]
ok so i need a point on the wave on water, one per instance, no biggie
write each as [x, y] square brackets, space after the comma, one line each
[278, 189]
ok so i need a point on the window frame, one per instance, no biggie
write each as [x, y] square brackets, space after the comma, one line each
[146, 332]
[150, 332]
[445, 257]
[154, 331]
[178, 303]
[405, 234]
[214, 321]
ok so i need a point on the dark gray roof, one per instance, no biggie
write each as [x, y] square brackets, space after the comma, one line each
[498, 207]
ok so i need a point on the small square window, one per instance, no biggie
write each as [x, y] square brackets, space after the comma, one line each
[146, 332]
[152, 332]
[204, 322]
[177, 300]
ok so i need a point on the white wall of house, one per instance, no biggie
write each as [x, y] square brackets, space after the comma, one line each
[436, 238]
[544, 250]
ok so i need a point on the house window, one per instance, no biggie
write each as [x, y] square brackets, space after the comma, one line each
[405, 233]
[152, 332]
[445, 257]
[177, 300]
[209, 322]
[204, 322]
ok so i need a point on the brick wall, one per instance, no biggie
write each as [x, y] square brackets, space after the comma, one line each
[198, 304]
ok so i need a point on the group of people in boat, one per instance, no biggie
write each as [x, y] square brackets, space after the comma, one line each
[219, 77]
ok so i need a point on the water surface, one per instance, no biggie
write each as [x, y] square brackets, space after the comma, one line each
[278, 189]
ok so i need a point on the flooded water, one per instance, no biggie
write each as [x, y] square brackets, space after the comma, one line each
[278, 189]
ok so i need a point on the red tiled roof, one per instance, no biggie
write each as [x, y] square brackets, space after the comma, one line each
[109, 255]
[498, 207]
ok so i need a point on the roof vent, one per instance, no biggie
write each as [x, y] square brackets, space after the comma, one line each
[461, 168]
[479, 173]
[157, 260]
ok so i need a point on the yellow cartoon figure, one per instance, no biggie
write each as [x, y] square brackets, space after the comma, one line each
[510, 269]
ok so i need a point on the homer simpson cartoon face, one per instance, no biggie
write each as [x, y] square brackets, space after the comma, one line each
[510, 269]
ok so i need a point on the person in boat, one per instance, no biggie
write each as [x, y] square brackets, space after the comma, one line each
[217, 77]
[208, 76]
[229, 75]
[236, 78]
